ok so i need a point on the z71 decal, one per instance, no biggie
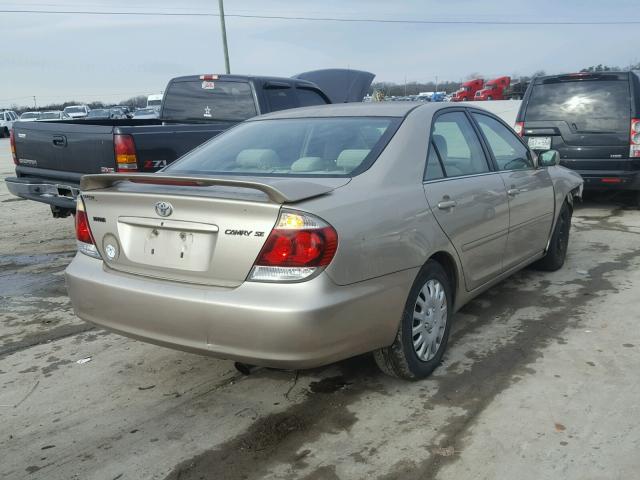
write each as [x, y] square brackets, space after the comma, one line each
[155, 163]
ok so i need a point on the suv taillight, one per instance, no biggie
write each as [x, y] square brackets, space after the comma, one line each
[519, 128]
[125, 148]
[12, 143]
[634, 138]
[299, 246]
[84, 237]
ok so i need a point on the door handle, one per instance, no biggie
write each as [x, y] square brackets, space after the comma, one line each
[513, 192]
[59, 140]
[446, 204]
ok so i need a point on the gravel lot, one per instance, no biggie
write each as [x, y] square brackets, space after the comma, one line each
[540, 381]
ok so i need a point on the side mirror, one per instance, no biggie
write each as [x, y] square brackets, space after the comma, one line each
[550, 158]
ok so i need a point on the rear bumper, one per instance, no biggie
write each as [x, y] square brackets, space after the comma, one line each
[61, 195]
[297, 325]
[610, 180]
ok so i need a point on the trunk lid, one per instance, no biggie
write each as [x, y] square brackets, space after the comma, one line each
[198, 230]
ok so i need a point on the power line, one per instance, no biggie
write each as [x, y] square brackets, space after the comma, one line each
[331, 19]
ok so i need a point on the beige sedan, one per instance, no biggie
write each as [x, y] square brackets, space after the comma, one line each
[311, 235]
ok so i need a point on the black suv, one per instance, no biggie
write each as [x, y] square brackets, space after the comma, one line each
[592, 120]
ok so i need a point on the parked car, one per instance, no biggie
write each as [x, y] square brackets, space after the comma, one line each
[592, 120]
[494, 89]
[100, 114]
[154, 101]
[467, 90]
[77, 111]
[53, 115]
[51, 158]
[30, 116]
[306, 236]
[6, 122]
[146, 113]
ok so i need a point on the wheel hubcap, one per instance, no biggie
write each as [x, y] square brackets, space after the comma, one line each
[429, 320]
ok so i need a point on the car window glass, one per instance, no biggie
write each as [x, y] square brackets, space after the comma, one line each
[308, 97]
[458, 145]
[508, 151]
[281, 98]
[434, 168]
[301, 146]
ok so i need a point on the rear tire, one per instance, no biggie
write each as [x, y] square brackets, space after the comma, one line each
[557, 253]
[424, 328]
[5, 132]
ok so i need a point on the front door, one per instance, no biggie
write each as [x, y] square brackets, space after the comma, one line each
[530, 192]
[468, 200]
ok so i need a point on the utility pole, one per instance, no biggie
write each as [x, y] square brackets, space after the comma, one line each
[436, 83]
[224, 36]
[34, 103]
[405, 85]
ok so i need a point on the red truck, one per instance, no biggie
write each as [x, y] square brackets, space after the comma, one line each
[494, 89]
[467, 90]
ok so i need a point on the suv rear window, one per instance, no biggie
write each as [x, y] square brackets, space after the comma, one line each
[330, 147]
[198, 101]
[587, 106]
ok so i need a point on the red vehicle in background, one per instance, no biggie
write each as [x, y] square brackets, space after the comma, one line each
[494, 89]
[467, 90]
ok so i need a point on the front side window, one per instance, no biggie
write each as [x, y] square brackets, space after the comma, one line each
[458, 146]
[507, 150]
[334, 147]
[280, 98]
[308, 97]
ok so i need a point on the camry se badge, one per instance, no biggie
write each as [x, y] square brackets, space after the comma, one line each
[164, 209]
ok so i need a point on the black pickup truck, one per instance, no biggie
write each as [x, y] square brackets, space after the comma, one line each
[51, 157]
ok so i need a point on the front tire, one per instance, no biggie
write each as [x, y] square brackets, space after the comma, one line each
[557, 253]
[424, 328]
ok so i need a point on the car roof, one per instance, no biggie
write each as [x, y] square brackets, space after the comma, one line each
[246, 78]
[370, 109]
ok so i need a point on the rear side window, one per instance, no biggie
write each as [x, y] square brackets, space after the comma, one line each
[507, 150]
[281, 98]
[458, 146]
[308, 97]
[587, 106]
[434, 168]
[208, 101]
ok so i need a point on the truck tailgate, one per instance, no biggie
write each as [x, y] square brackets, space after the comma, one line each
[65, 146]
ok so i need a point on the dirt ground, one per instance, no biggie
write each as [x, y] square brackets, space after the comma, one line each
[540, 382]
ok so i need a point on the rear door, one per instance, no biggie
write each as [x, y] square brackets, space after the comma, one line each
[530, 191]
[467, 198]
[585, 117]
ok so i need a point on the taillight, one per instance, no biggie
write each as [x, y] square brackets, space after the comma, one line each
[12, 143]
[209, 76]
[634, 140]
[299, 246]
[84, 237]
[125, 148]
[519, 128]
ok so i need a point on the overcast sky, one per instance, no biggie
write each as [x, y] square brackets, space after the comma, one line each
[60, 57]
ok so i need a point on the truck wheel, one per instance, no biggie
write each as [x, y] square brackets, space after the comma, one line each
[464, 99]
[5, 132]
[489, 97]
[557, 253]
[424, 328]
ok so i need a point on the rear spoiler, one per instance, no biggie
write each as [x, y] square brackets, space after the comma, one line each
[279, 190]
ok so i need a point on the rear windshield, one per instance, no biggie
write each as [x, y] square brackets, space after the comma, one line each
[74, 110]
[98, 113]
[154, 103]
[206, 101]
[592, 105]
[333, 147]
[30, 115]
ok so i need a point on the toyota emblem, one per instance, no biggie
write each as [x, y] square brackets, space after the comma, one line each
[164, 209]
